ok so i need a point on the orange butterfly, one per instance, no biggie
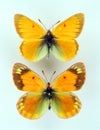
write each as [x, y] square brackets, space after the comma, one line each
[38, 42]
[42, 96]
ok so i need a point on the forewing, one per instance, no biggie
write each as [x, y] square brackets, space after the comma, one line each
[70, 80]
[27, 28]
[70, 28]
[27, 80]
[32, 106]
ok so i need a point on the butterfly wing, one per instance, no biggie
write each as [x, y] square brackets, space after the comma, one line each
[27, 80]
[66, 105]
[70, 80]
[31, 48]
[32, 106]
[70, 28]
[65, 50]
[27, 28]
[65, 33]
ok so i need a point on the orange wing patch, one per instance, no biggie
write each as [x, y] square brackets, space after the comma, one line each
[65, 49]
[70, 80]
[32, 106]
[27, 28]
[27, 80]
[33, 50]
[66, 105]
[70, 28]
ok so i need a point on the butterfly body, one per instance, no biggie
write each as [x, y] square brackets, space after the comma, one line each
[49, 41]
[38, 42]
[41, 96]
[49, 94]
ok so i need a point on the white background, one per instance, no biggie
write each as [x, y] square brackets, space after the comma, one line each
[50, 11]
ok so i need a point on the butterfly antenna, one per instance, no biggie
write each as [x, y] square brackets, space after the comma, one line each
[42, 24]
[44, 75]
[52, 76]
[54, 24]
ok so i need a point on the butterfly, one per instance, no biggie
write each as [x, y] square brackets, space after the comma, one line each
[42, 95]
[39, 42]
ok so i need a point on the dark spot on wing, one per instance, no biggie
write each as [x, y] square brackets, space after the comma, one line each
[64, 25]
[64, 77]
[33, 26]
[33, 77]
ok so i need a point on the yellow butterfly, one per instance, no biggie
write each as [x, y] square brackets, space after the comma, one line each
[42, 96]
[38, 42]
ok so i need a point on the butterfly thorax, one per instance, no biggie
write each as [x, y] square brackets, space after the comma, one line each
[48, 92]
